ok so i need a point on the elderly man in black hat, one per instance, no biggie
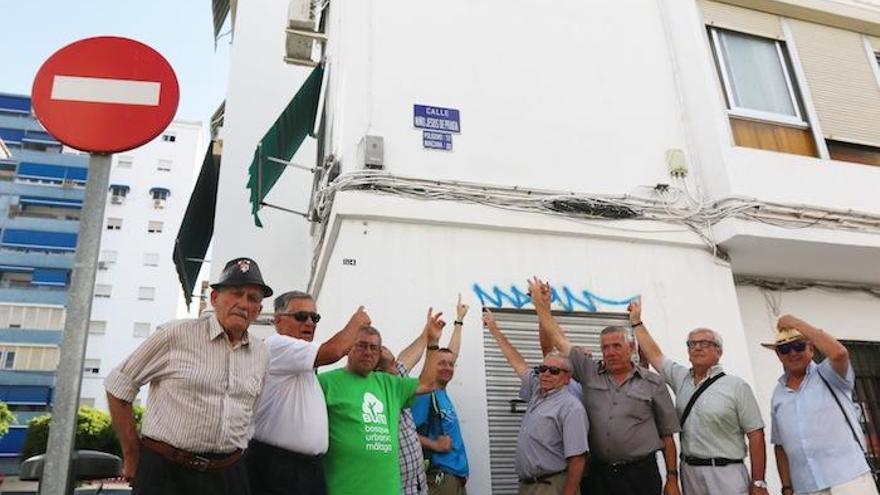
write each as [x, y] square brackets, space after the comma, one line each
[205, 376]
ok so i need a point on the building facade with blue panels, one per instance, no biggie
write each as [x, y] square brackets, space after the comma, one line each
[41, 196]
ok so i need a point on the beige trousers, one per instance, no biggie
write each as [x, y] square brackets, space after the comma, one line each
[863, 485]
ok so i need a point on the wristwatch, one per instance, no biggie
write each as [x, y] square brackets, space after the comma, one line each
[760, 484]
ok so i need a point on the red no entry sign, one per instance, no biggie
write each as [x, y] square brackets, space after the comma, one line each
[105, 94]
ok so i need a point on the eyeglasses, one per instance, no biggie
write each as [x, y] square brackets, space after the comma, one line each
[364, 346]
[302, 316]
[796, 346]
[554, 370]
[701, 344]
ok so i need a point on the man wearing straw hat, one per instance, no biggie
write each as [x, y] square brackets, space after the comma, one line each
[815, 424]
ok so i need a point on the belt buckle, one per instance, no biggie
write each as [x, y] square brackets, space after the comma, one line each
[199, 463]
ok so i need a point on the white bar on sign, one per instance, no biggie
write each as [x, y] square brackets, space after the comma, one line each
[105, 90]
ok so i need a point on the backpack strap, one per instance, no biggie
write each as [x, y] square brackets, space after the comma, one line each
[697, 394]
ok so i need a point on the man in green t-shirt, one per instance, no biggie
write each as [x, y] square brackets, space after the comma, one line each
[363, 408]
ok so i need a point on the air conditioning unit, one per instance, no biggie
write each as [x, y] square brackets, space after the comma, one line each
[303, 42]
[301, 15]
[158, 204]
[116, 200]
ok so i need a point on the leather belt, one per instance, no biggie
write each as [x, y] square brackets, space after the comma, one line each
[714, 461]
[189, 460]
[543, 479]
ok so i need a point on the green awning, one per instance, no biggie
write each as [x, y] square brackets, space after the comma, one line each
[220, 9]
[282, 140]
[197, 226]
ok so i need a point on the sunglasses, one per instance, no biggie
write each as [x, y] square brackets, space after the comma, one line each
[796, 346]
[302, 316]
[554, 370]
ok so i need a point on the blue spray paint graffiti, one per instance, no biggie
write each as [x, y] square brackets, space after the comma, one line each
[567, 298]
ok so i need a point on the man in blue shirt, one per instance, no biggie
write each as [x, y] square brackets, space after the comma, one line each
[818, 440]
[440, 433]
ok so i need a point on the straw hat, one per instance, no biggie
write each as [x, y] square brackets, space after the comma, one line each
[783, 336]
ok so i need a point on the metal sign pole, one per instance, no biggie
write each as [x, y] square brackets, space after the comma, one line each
[57, 476]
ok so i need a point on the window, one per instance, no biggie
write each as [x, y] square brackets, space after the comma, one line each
[7, 171]
[31, 317]
[865, 359]
[92, 366]
[151, 259]
[163, 165]
[159, 193]
[141, 330]
[169, 137]
[146, 293]
[125, 162]
[87, 401]
[118, 193]
[8, 359]
[756, 77]
[103, 290]
[154, 227]
[107, 258]
[97, 327]
[114, 224]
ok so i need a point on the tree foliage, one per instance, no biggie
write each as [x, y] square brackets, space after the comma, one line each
[93, 432]
[7, 419]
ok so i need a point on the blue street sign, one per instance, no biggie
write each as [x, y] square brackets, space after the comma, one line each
[437, 140]
[436, 119]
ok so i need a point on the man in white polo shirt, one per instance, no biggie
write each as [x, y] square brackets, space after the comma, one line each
[291, 433]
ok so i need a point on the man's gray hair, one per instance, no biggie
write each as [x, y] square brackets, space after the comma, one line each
[558, 355]
[283, 300]
[618, 329]
[715, 335]
[372, 331]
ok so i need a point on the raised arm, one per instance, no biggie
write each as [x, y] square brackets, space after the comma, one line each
[433, 331]
[646, 342]
[824, 342]
[461, 310]
[337, 346]
[540, 294]
[510, 353]
[410, 356]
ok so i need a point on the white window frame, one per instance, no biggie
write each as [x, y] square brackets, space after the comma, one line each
[155, 227]
[5, 358]
[749, 113]
[104, 294]
[164, 165]
[138, 330]
[146, 294]
[97, 327]
[91, 366]
[151, 259]
[114, 224]
[125, 162]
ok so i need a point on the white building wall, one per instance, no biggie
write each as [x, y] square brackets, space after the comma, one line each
[260, 87]
[585, 97]
[129, 273]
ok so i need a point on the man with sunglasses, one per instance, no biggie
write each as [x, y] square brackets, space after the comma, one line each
[815, 424]
[551, 447]
[363, 408]
[290, 424]
[630, 410]
[712, 433]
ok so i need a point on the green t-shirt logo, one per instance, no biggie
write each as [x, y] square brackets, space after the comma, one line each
[374, 410]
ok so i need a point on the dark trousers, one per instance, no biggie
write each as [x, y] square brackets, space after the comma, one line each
[157, 475]
[276, 471]
[640, 477]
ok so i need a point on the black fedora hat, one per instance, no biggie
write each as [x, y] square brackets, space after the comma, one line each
[242, 271]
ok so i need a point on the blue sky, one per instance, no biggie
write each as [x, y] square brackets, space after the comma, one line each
[181, 30]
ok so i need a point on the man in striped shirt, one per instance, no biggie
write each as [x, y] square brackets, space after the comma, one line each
[205, 376]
